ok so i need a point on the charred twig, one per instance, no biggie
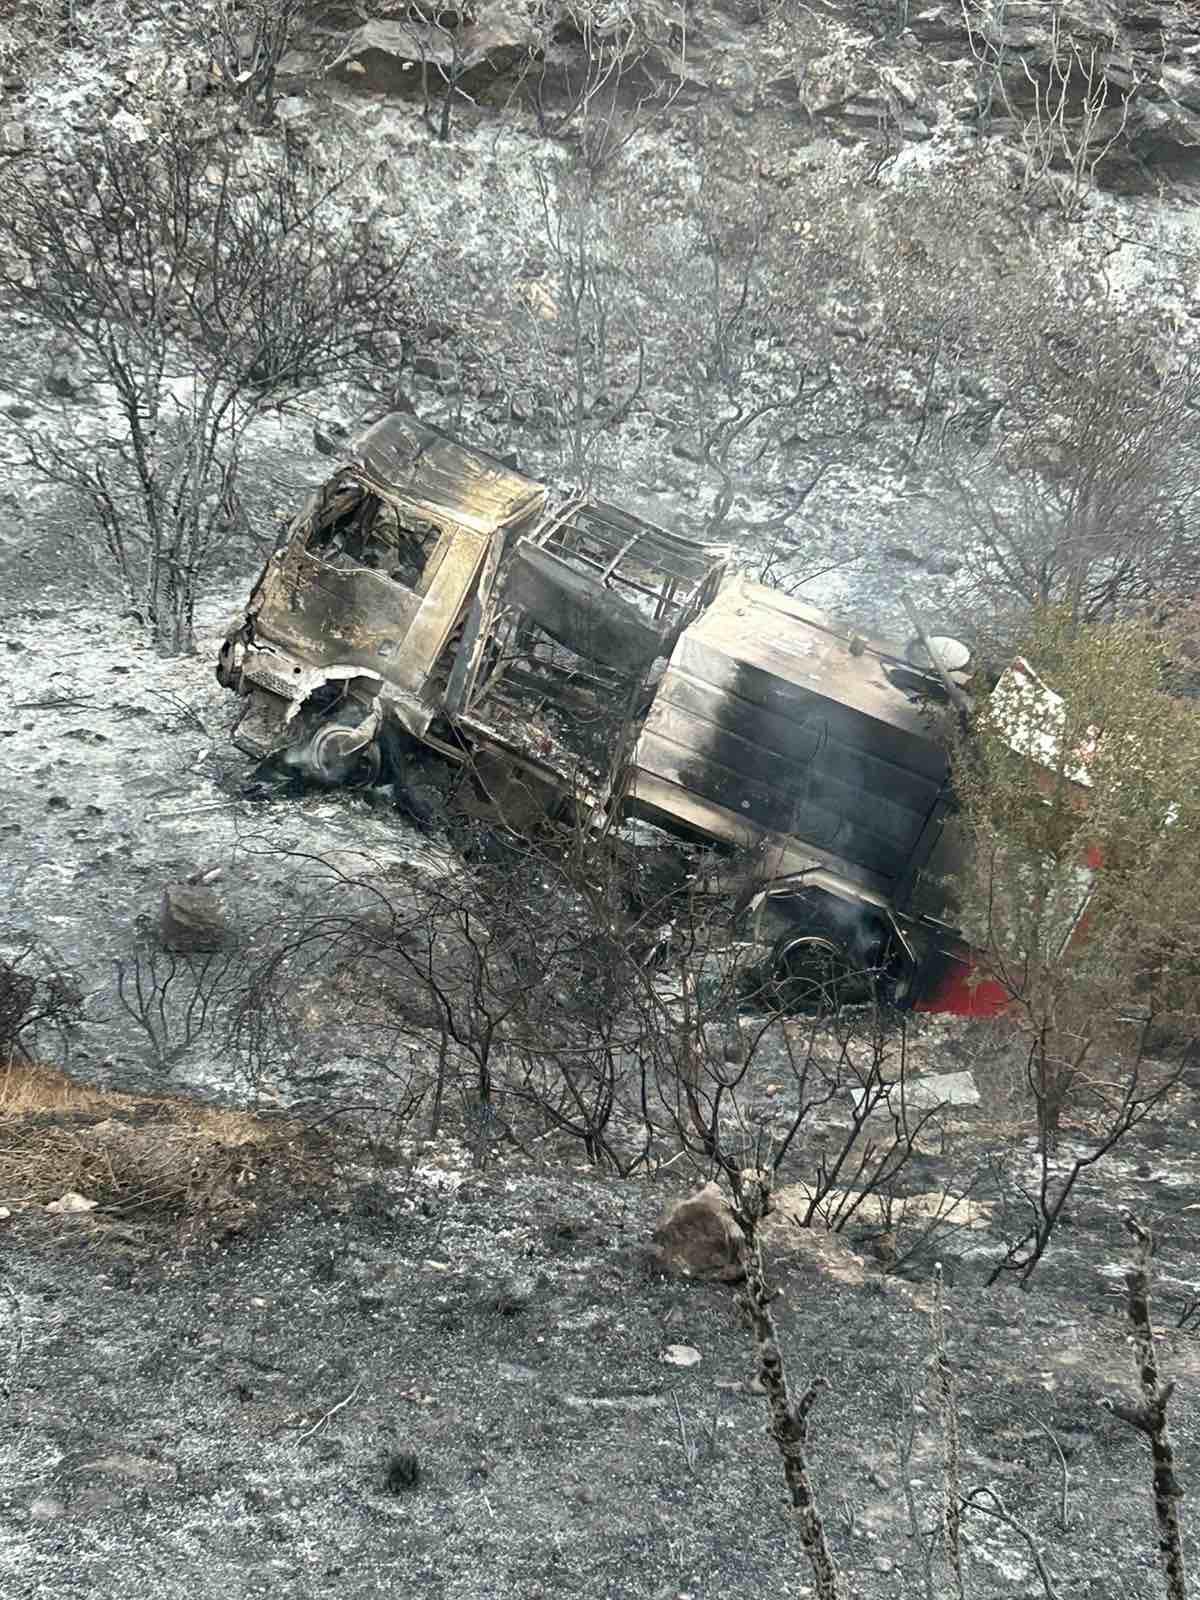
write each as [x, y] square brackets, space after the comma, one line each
[1150, 1417]
[904, 1438]
[67, 703]
[1063, 1517]
[187, 714]
[789, 1418]
[993, 1506]
[17, 1342]
[948, 1411]
[326, 1416]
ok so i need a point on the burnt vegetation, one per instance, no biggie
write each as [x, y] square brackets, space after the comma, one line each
[200, 285]
[558, 971]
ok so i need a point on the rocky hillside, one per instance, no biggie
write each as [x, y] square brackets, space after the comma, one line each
[891, 297]
[910, 204]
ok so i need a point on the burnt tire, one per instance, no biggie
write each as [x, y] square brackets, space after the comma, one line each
[810, 972]
[338, 763]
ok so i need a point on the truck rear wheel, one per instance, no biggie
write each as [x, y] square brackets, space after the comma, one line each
[813, 973]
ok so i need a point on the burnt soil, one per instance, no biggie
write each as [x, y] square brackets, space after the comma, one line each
[236, 1408]
[230, 1401]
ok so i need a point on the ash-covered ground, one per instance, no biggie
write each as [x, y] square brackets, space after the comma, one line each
[344, 1373]
[227, 1401]
[242, 1414]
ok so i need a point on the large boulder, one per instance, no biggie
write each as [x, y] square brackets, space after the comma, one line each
[698, 1238]
[406, 57]
[1111, 52]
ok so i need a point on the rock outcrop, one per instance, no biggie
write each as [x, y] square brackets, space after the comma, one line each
[1124, 69]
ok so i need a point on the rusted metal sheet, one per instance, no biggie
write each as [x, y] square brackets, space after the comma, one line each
[325, 615]
[576, 609]
[774, 716]
[429, 472]
[439, 610]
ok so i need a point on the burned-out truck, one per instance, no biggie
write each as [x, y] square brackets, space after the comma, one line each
[569, 654]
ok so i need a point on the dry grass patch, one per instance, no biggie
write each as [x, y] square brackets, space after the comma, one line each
[140, 1154]
[28, 1088]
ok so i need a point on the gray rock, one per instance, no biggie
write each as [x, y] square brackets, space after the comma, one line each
[685, 449]
[937, 1089]
[391, 57]
[66, 376]
[698, 1238]
[435, 367]
[192, 918]
[941, 564]
[19, 410]
[131, 1469]
[47, 1509]
[513, 1295]
[330, 435]
[13, 137]
[744, 91]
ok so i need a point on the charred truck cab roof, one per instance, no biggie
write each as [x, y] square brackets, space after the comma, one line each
[600, 658]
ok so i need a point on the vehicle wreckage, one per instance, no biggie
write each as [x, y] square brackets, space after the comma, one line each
[573, 657]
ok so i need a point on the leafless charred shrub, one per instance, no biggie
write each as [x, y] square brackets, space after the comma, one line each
[483, 992]
[589, 313]
[1066, 116]
[174, 999]
[755, 388]
[1037, 1192]
[846, 1129]
[597, 76]
[200, 284]
[1085, 498]
[35, 996]
[245, 41]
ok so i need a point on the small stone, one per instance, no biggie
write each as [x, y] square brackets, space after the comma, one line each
[330, 435]
[942, 564]
[13, 137]
[66, 376]
[681, 1355]
[47, 1509]
[71, 1204]
[884, 1564]
[130, 127]
[16, 408]
[191, 919]
[132, 1469]
[58, 802]
[513, 1296]
[435, 367]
